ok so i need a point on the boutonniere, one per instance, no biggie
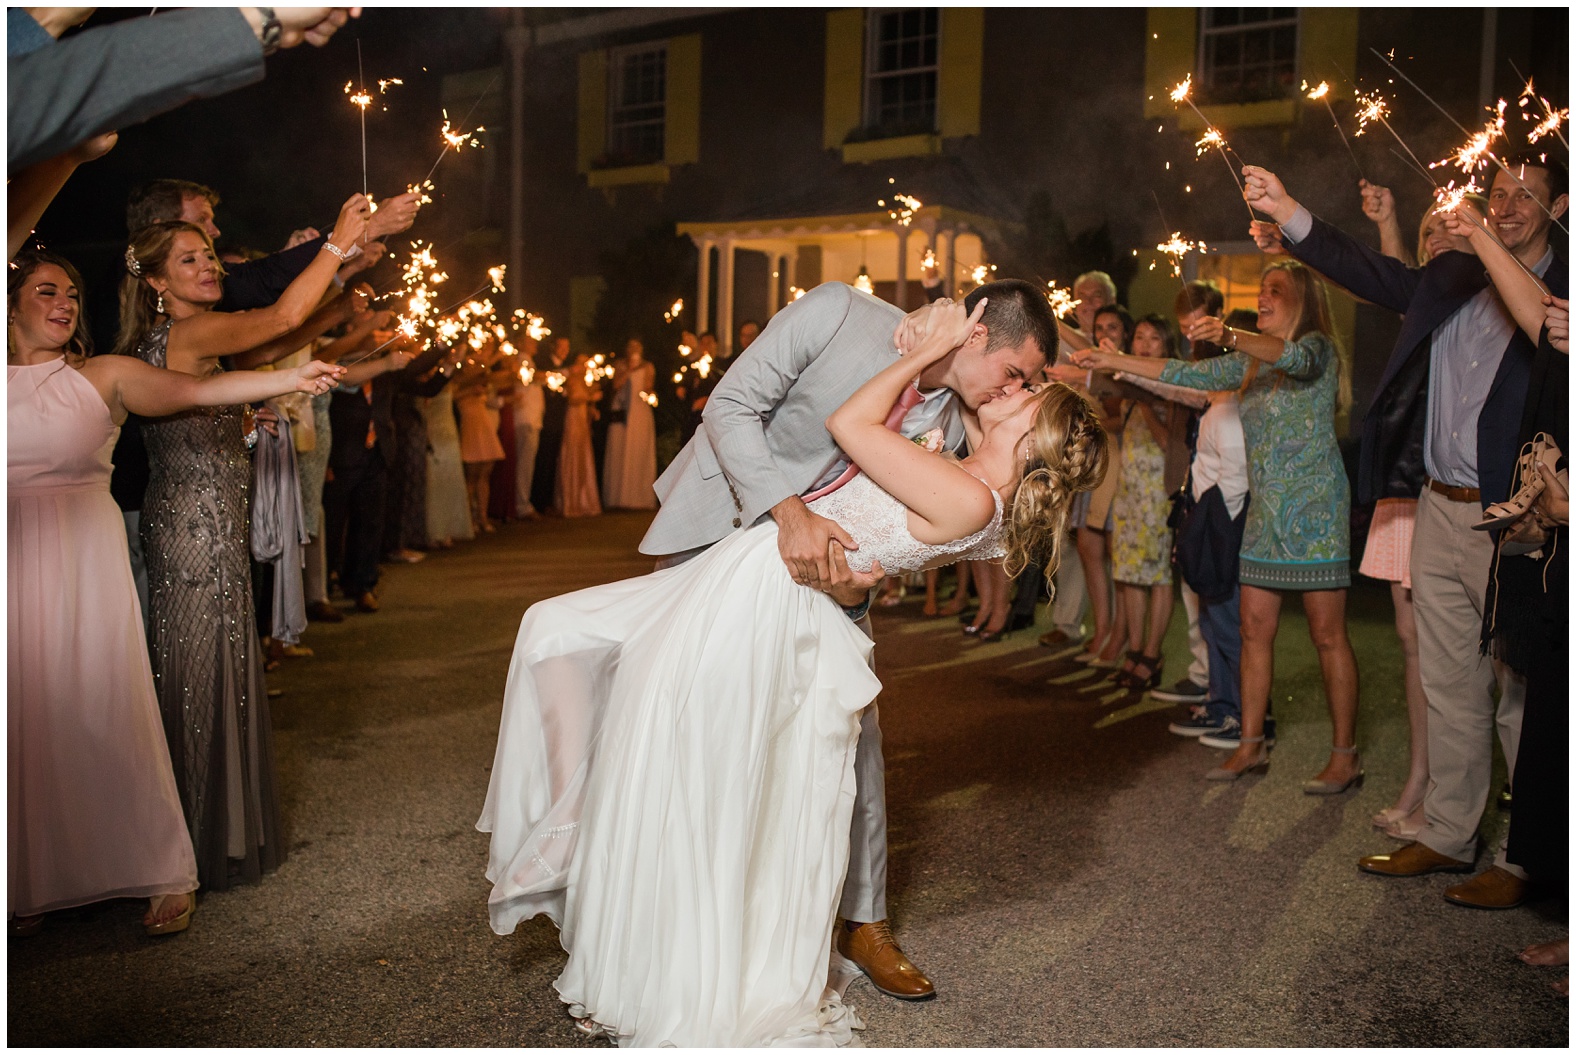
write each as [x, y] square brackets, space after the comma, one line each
[932, 441]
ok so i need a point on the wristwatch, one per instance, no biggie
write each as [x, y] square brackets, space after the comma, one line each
[272, 30]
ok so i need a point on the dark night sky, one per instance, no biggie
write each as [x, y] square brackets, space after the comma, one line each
[286, 152]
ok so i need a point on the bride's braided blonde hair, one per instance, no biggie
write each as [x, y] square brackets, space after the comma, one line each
[1067, 452]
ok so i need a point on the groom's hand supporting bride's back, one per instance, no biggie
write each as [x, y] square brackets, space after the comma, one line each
[804, 540]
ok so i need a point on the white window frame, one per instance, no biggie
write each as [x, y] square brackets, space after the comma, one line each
[617, 58]
[1206, 33]
[872, 44]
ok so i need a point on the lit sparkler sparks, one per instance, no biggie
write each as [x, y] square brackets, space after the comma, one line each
[527, 372]
[555, 380]
[902, 208]
[673, 311]
[1322, 94]
[981, 274]
[495, 275]
[1063, 303]
[1177, 248]
[1373, 107]
[385, 85]
[795, 292]
[1179, 94]
[928, 261]
[649, 398]
[420, 190]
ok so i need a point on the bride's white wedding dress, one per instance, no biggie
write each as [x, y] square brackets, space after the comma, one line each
[674, 784]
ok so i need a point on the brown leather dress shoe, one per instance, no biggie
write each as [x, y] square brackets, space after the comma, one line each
[873, 951]
[1493, 889]
[367, 602]
[1413, 859]
[323, 612]
[1055, 639]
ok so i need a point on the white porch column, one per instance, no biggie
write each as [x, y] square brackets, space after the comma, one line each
[702, 287]
[725, 298]
[518, 38]
[900, 296]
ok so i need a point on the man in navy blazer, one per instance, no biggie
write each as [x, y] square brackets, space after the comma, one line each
[1476, 361]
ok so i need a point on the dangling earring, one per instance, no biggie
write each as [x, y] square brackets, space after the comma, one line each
[159, 307]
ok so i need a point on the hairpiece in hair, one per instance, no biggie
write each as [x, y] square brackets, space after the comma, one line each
[131, 261]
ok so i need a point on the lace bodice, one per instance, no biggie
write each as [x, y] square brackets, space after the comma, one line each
[879, 523]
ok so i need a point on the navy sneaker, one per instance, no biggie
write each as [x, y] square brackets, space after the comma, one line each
[1200, 723]
[1230, 736]
[1184, 691]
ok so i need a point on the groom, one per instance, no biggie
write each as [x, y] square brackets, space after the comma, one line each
[763, 444]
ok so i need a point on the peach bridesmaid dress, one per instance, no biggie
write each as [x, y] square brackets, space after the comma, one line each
[93, 811]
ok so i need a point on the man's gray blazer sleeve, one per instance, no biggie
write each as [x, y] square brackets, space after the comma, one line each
[119, 75]
[737, 412]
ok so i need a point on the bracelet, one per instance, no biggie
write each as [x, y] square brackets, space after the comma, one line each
[859, 611]
[332, 248]
[272, 30]
[1233, 337]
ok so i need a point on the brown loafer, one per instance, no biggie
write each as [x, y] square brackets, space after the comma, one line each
[1413, 859]
[1055, 639]
[1493, 889]
[323, 612]
[872, 950]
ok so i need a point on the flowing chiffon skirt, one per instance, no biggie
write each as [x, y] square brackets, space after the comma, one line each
[674, 786]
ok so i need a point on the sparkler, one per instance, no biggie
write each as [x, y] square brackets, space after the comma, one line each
[1322, 94]
[1373, 107]
[1212, 138]
[673, 312]
[981, 274]
[456, 139]
[1552, 118]
[902, 208]
[1063, 303]
[1175, 247]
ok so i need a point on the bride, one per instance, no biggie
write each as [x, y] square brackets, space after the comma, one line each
[675, 768]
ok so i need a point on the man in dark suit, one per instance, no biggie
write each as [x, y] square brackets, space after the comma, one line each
[1476, 360]
[544, 484]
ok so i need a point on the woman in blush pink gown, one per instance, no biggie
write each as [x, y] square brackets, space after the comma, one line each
[93, 811]
[577, 489]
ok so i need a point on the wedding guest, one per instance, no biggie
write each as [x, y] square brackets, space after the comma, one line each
[1193, 688]
[203, 639]
[1141, 539]
[504, 384]
[1220, 463]
[554, 366]
[1526, 616]
[355, 493]
[630, 468]
[1295, 539]
[448, 504]
[1458, 335]
[91, 818]
[405, 525]
[479, 446]
[577, 491]
[529, 407]
[1111, 327]
[1388, 553]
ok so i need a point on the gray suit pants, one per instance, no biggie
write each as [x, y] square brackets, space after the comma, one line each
[864, 888]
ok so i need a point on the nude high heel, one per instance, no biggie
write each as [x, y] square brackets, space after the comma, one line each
[1259, 767]
[1330, 787]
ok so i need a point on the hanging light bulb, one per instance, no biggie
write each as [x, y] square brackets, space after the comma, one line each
[863, 283]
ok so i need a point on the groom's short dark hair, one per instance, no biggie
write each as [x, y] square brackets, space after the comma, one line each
[1017, 310]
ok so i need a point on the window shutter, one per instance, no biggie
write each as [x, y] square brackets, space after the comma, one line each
[681, 142]
[962, 62]
[593, 108]
[845, 75]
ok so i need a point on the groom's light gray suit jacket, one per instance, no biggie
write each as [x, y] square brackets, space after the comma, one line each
[764, 427]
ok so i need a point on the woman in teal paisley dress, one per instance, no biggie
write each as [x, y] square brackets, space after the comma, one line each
[1297, 537]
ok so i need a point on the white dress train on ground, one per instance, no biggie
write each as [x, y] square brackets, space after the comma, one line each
[674, 784]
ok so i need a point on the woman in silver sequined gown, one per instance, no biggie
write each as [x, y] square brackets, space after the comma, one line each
[207, 661]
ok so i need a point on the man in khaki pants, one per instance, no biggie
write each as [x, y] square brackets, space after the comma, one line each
[1477, 363]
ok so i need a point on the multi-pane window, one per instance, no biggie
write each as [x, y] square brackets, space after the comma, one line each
[901, 61]
[1247, 54]
[637, 103]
